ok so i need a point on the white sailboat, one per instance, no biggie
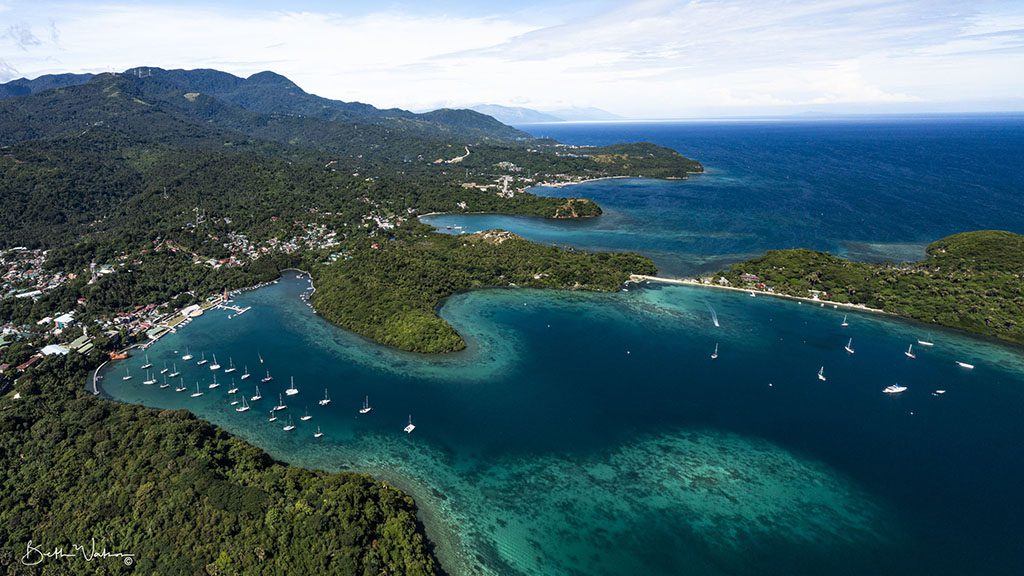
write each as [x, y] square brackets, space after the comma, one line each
[165, 369]
[149, 381]
[894, 389]
[290, 426]
[197, 393]
[849, 346]
[910, 352]
[965, 365]
[127, 375]
[181, 386]
[821, 374]
[306, 417]
[714, 355]
[366, 406]
[318, 434]
[165, 384]
[233, 388]
[280, 404]
[926, 343]
[845, 323]
[214, 384]
[246, 374]
[326, 400]
[174, 371]
[244, 407]
[267, 378]
[273, 416]
[292, 390]
[231, 366]
[410, 426]
[203, 360]
[257, 395]
[215, 365]
[188, 355]
[148, 364]
[234, 401]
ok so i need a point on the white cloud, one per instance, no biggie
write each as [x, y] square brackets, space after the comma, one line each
[648, 58]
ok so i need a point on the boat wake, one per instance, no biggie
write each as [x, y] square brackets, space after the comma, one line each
[714, 315]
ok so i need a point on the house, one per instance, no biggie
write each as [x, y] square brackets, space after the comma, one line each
[64, 320]
[54, 349]
[747, 277]
[28, 363]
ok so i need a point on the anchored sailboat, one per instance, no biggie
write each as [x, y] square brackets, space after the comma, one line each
[165, 384]
[306, 417]
[410, 426]
[246, 374]
[244, 407]
[273, 416]
[257, 395]
[821, 374]
[318, 434]
[326, 400]
[849, 346]
[292, 390]
[197, 393]
[148, 364]
[234, 401]
[181, 386]
[845, 323]
[366, 406]
[267, 378]
[231, 366]
[290, 426]
[203, 360]
[910, 352]
[174, 372]
[188, 355]
[215, 365]
[280, 404]
[214, 384]
[164, 370]
[233, 388]
[149, 381]
[127, 375]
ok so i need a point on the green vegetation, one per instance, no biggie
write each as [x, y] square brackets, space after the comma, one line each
[179, 494]
[972, 281]
[390, 294]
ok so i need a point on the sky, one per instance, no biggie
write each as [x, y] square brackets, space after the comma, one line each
[642, 59]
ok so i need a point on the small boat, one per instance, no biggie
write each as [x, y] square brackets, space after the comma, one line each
[149, 381]
[926, 343]
[366, 406]
[246, 374]
[845, 323]
[292, 390]
[410, 426]
[267, 378]
[174, 371]
[203, 360]
[714, 354]
[821, 374]
[148, 364]
[165, 384]
[165, 369]
[260, 357]
[214, 384]
[181, 386]
[280, 404]
[306, 417]
[894, 389]
[234, 401]
[318, 434]
[244, 407]
[215, 365]
[938, 393]
[326, 400]
[231, 366]
[233, 388]
[126, 376]
[188, 355]
[197, 393]
[849, 346]
[273, 416]
[965, 365]
[290, 426]
[257, 395]
[910, 352]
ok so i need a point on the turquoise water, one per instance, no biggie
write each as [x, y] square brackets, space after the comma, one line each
[593, 434]
[870, 189]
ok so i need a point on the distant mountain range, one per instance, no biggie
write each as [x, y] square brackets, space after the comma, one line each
[514, 115]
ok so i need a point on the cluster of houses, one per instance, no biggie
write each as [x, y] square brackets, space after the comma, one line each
[24, 275]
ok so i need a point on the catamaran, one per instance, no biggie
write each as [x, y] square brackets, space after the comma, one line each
[203, 361]
[215, 365]
[197, 393]
[214, 384]
[126, 376]
[965, 365]
[292, 390]
[306, 417]
[165, 369]
[280, 404]
[234, 401]
[894, 389]
[326, 400]
[244, 407]
[910, 352]
[845, 323]
[267, 378]
[231, 366]
[165, 384]
[246, 375]
[410, 426]
[257, 395]
[318, 434]
[148, 364]
[714, 354]
[849, 346]
[174, 372]
[149, 381]
[181, 386]
[821, 374]
[366, 406]
[290, 426]
[188, 355]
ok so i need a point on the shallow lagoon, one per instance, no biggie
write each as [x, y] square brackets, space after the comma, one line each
[592, 433]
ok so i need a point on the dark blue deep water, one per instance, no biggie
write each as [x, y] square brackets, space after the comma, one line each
[593, 434]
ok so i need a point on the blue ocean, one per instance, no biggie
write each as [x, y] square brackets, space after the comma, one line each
[594, 434]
